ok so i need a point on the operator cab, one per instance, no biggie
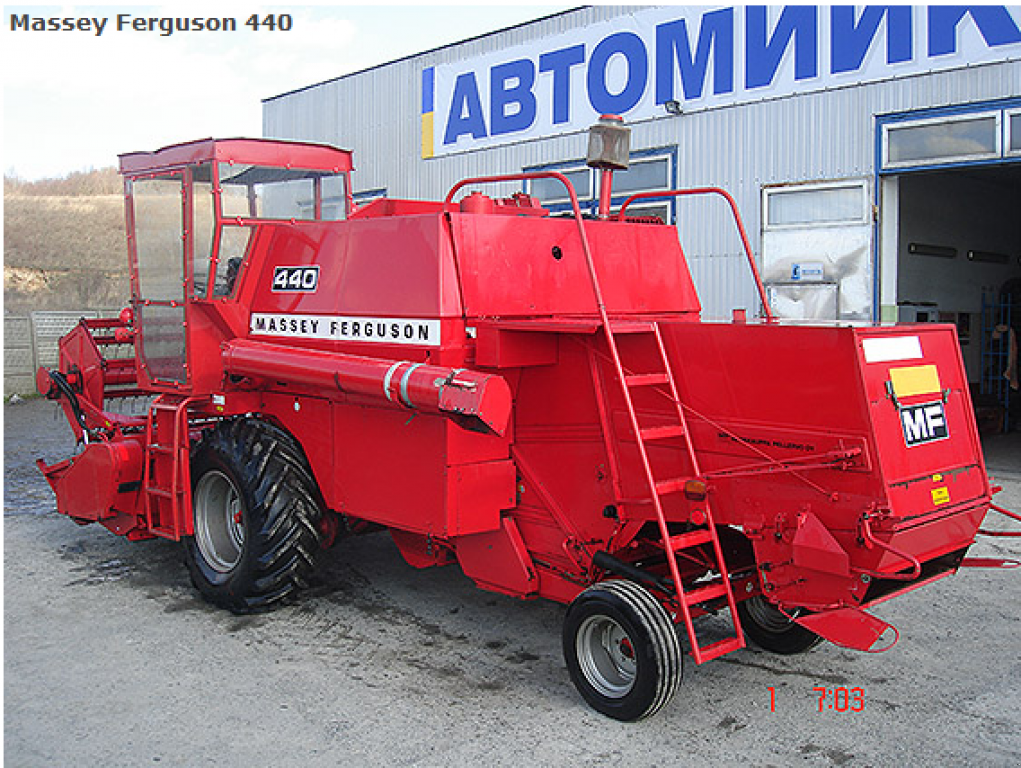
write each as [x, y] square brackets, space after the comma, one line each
[192, 211]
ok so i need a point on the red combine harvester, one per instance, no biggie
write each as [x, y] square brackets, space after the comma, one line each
[533, 397]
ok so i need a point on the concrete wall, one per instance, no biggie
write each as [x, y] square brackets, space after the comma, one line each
[32, 341]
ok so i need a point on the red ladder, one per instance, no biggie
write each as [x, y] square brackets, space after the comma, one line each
[718, 587]
[674, 545]
[166, 480]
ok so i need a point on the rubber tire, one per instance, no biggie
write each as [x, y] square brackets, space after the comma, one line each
[281, 511]
[652, 636]
[771, 630]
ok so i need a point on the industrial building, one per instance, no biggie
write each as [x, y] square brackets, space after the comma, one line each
[874, 153]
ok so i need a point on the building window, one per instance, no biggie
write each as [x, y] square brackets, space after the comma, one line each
[937, 141]
[553, 191]
[366, 196]
[643, 176]
[1013, 126]
[650, 171]
[816, 204]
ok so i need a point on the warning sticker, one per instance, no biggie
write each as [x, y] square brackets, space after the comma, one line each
[941, 495]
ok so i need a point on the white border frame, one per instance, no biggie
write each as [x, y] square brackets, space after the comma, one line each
[814, 186]
[996, 154]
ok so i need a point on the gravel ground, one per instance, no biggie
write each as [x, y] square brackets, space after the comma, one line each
[112, 659]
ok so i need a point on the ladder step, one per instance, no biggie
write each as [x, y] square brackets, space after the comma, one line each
[705, 594]
[163, 493]
[673, 485]
[662, 433]
[692, 539]
[635, 326]
[646, 379]
[157, 448]
[720, 647]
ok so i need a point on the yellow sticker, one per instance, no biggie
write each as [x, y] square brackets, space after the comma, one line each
[937, 478]
[941, 495]
[915, 380]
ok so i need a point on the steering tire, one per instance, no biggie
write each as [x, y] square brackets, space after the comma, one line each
[257, 512]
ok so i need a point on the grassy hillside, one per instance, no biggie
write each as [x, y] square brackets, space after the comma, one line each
[64, 245]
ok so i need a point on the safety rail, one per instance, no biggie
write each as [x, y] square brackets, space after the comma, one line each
[737, 220]
[575, 208]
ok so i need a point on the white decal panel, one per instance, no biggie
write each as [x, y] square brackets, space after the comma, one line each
[887, 349]
[377, 330]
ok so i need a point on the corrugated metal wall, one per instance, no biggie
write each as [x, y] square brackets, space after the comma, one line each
[825, 135]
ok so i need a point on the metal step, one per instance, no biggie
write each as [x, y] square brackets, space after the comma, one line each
[705, 594]
[631, 326]
[646, 379]
[673, 485]
[691, 539]
[662, 433]
[721, 647]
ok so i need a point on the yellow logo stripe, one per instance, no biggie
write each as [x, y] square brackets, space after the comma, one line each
[427, 135]
[915, 380]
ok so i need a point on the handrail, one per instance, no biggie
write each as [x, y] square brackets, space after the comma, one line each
[737, 220]
[870, 540]
[576, 209]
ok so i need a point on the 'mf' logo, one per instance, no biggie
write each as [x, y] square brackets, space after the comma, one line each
[291, 279]
[924, 423]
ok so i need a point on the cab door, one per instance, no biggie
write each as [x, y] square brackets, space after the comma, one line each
[157, 247]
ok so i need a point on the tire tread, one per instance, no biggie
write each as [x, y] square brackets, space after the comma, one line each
[285, 508]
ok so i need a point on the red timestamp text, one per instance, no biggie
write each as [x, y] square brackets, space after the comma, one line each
[839, 699]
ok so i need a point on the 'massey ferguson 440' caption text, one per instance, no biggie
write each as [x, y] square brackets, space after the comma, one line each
[164, 26]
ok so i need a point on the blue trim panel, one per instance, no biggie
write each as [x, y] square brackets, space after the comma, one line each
[428, 89]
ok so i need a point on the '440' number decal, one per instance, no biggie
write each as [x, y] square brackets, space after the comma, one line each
[295, 279]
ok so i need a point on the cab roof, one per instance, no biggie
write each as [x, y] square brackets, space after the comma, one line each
[273, 152]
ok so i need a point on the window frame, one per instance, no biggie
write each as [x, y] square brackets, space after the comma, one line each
[565, 200]
[589, 205]
[1007, 115]
[768, 191]
[887, 127]
[316, 201]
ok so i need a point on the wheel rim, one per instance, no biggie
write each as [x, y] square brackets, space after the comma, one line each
[767, 617]
[219, 528]
[606, 656]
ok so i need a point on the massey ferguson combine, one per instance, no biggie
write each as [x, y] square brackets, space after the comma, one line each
[532, 397]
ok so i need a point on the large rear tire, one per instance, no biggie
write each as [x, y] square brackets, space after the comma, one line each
[772, 630]
[622, 650]
[257, 513]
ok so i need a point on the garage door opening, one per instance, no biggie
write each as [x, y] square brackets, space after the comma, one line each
[959, 261]
[949, 240]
